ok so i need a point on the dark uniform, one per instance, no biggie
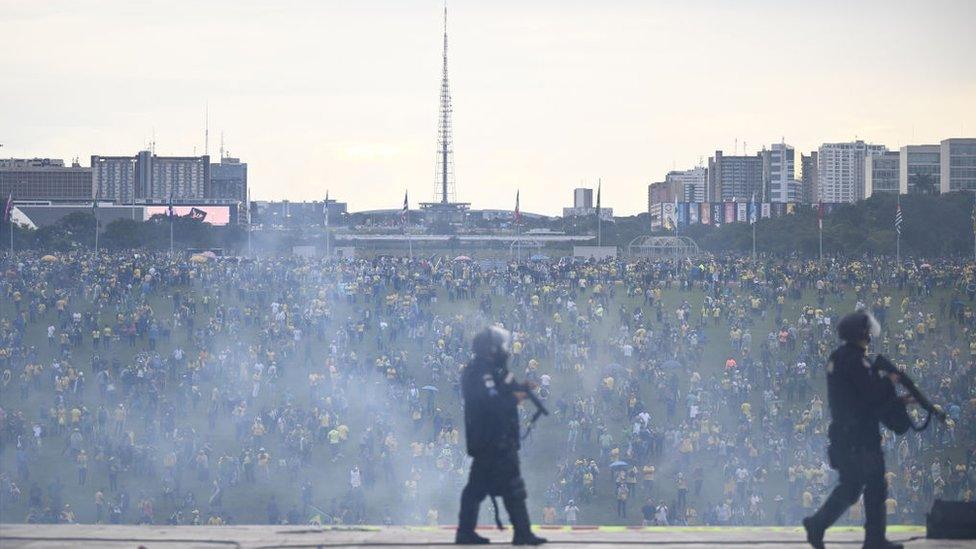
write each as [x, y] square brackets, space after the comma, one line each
[856, 394]
[491, 424]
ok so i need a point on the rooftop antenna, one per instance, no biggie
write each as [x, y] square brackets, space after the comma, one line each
[221, 145]
[152, 144]
[736, 153]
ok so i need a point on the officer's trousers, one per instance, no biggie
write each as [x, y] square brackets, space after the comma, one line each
[495, 475]
[860, 470]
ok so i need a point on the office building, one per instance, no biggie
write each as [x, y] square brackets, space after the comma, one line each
[881, 173]
[228, 179]
[152, 178]
[689, 185]
[958, 162]
[779, 171]
[808, 179]
[840, 170]
[44, 179]
[582, 198]
[734, 178]
[180, 177]
[919, 165]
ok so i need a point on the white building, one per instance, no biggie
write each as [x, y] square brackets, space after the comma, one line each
[582, 198]
[958, 161]
[881, 173]
[840, 170]
[917, 162]
[779, 172]
[689, 184]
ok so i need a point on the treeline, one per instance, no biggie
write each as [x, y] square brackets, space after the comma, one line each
[933, 225]
[77, 231]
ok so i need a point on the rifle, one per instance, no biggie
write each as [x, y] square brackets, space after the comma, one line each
[540, 408]
[897, 414]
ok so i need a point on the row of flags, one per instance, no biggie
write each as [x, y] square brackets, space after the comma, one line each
[689, 213]
[676, 214]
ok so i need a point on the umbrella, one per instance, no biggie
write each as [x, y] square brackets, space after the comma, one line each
[539, 257]
[199, 258]
[49, 259]
[618, 464]
[429, 388]
[462, 258]
[209, 254]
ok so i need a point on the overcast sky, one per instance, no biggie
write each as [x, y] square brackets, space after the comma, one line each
[343, 96]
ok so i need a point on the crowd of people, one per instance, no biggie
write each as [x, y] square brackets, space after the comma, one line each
[149, 388]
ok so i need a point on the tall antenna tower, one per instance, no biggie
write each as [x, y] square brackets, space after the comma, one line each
[444, 172]
[444, 209]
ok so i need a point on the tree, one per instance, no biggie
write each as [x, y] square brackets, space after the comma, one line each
[923, 183]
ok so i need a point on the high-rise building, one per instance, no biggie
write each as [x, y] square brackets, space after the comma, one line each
[881, 173]
[582, 198]
[44, 179]
[734, 178]
[779, 171]
[583, 206]
[121, 179]
[228, 179]
[840, 170]
[148, 177]
[919, 164]
[808, 186]
[958, 161]
[689, 185]
[180, 177]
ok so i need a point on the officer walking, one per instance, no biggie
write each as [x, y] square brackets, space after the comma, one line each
[491, 424]
[857, 394]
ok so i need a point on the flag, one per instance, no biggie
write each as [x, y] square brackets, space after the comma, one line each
[169, 211]
[898, 219]
[675, 213]
[325, 208]
[518, 212]
[820, 215]
[752, 210]
[405, 210]
[197, 214]
[8, 208]
[598, 187]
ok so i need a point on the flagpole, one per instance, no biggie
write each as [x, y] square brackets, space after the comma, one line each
[599, 225]
[247, 200]
[753, 241]
[821, 240]
[898, 233]
[328, 254]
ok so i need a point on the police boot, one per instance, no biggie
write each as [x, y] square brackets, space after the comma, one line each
[815, 534]
[519, 515]
[469, 537]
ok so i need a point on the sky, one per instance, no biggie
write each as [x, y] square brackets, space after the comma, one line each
[548, 95]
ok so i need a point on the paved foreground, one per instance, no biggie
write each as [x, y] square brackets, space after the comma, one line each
[58, 536]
